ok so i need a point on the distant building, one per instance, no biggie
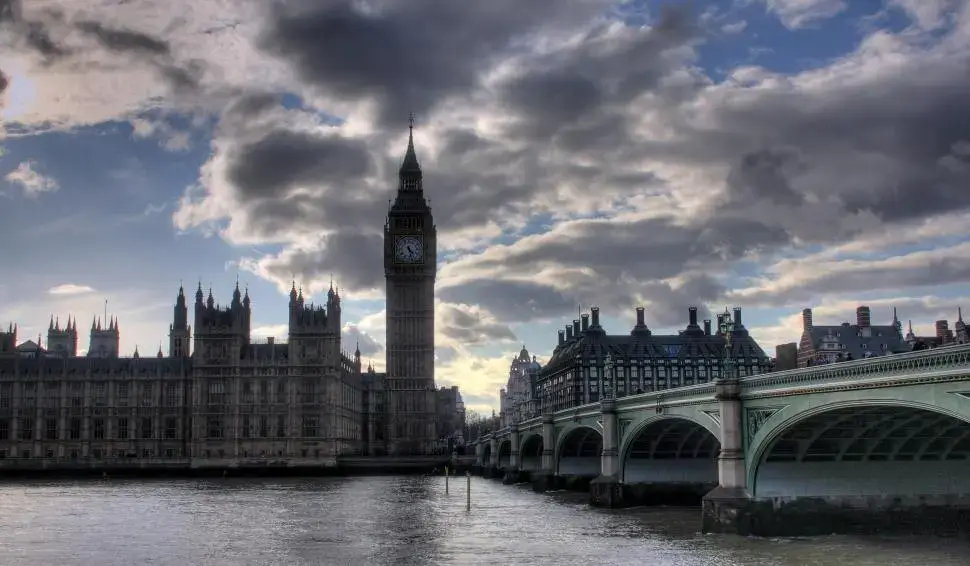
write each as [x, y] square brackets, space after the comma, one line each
[786, 356]
[842, 342]
[220, 398]
[516, 400]
[576, 374]
[943, 335]
[451, 416]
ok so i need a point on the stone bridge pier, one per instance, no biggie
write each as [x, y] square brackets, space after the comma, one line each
[544, 477]
[513, 472]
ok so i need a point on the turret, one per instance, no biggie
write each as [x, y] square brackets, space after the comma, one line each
[314, 331]
[221, 333]
[105, 341]
[62, 341]
[8, 340]
[179, 332]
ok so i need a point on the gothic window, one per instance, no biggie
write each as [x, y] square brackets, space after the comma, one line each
[77, 395]
[122, 393]
[100, 399]
[146, 427]
[26, 429]
[75, 429]
[171, 428]
[247, 427]
[148, 394]
[123, 429]
[98, 429]
[215, 428]
[50, 429]
[311, 427]
[171, 395]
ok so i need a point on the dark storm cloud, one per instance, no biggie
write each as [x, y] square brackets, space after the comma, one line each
[39, 35]
[510, 300]
[470, 328]
[933, 268]
[123, 40]
[778, 164]
[282, 161]
[581, 87]
[35, 35]
[355, 261]
[407, 56]
[353, 337]
[611, 264]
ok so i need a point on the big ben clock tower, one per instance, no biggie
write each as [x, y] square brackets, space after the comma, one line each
[410, 266]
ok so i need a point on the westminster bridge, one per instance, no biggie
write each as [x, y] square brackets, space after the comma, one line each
[875, 445]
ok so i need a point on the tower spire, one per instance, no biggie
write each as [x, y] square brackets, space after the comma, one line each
[410, 172]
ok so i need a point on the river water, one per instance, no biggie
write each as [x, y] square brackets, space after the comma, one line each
[388, 520]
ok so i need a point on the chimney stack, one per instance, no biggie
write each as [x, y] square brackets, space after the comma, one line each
[707, 327]
[942, 329]
[576, 328]
[806, 319]
[692, 316]
[720, 323]
[562, 337]
[737, 317]
[569, 332]
[640, 319]
[863, 317]
[585, 322]
[596, 315]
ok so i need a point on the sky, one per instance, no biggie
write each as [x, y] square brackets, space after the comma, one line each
[768, 154]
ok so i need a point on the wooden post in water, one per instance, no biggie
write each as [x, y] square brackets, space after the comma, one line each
[468, 492]
[446, 480]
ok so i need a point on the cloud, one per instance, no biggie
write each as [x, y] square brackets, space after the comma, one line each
[927, 14]
[70, 289]
[734, 27]
[796, 14]
[354, 337]
[809, 279]
[32, 182]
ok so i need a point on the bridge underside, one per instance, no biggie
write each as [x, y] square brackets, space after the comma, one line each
[530, 454]
[671, 461]
[580, 452]
[861, 469]
[868, 451]
[504, 455]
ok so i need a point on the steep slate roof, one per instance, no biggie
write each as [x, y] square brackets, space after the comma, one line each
[850, 336]
[691, 344]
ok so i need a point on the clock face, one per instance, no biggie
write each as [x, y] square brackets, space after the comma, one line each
[409, 249]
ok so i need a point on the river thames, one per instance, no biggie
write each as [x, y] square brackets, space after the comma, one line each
[387, 520]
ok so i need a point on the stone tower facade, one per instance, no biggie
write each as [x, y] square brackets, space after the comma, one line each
[410, 268]
[179, 332]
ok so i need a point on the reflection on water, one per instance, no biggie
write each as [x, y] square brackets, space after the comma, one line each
[388, 520]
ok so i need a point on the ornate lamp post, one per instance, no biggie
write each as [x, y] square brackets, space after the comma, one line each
[727, 363]
[609, 376]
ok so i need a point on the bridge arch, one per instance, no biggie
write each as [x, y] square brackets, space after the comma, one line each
[578, 451]
[504, 454]
[670, 449]
[530, 452]
[863, 448]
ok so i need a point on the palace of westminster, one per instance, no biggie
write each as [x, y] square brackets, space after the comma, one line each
[218, 398]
